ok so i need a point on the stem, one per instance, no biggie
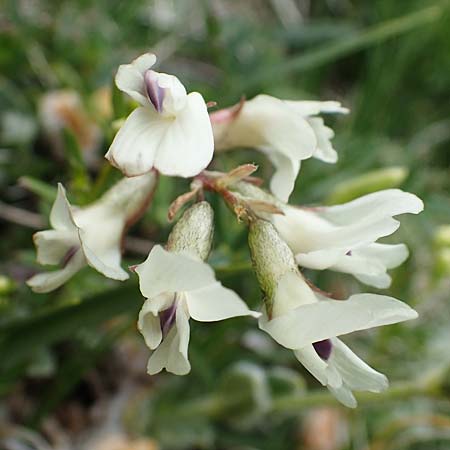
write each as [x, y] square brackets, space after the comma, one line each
[239, 207]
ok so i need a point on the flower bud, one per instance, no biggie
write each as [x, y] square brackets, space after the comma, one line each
[271, 258]
[194, 231]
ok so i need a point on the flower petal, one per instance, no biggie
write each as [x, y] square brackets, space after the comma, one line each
[344, 395]
[149, 323]
[313, 108]
[187, 146]
[380, 281]
[327, 376]
[164, 271]
[388, 255]
[215, 302]
[134, 147]
[53, 245]
[172, 353]
[307, 231]
[326, 319]
[130, 77]
[175, 96]
[61, 215]
[282, 131]
[324, 150]
[387, 203]
[370, 263]
[150, 326]
[283, 180]
[49, 281]
[355, 372]
[102, 250]
[327, 373]
[291, 293]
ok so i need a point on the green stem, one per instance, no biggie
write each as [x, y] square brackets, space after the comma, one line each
[348, 45]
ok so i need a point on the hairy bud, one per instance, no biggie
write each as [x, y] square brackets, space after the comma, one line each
[271, 258]
[194, 231]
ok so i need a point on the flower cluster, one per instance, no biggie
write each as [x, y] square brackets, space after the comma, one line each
[171, 132]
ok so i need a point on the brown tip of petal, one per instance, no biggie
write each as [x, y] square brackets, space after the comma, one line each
[155, 93]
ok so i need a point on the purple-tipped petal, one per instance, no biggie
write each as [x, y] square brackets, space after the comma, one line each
[155, 93]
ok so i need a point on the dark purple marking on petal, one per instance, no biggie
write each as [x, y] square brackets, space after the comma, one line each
[68, 256]
[323, 348]
[155, 93]
[349, 253]
[167, 318]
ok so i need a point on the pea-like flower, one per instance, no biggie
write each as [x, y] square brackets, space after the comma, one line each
[90, 235]
[170, 130]
[303, 320]
[343, 237]
[286, 131]
[179, 285]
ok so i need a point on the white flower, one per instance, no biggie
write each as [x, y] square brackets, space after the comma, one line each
[170, 131]
[303, 320]
[308, 323]
[343, 237]
[90, 235]
[179, 286]
[286, 131]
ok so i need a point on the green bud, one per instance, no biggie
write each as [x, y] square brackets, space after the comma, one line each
[390, 177]
[194, 231]
[271, 258]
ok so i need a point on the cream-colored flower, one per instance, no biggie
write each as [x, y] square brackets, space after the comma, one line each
[170, 130]
[90, 235]
[343, 237]
[303, 320]
[179, 286]
[286, 131]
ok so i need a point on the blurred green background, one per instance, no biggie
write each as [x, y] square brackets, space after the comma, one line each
[72, 365]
